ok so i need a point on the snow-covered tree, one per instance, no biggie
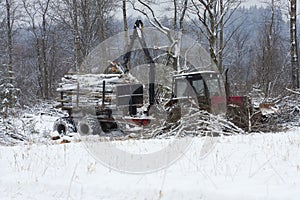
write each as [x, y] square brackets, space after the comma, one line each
[272, 53]
[8, 91]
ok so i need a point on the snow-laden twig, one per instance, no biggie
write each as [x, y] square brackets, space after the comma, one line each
[293, 91]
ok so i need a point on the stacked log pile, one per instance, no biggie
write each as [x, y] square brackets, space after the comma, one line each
[86, 90]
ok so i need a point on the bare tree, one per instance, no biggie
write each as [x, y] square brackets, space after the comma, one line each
[44, 10]
[39, 23]
[239, 70]
[214, 15]
[271, 57]
[145, 8]
[87, 20]
[104, 8]
[180, 8]
[31, 14]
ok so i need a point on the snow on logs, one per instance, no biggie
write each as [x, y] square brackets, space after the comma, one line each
[83, 90]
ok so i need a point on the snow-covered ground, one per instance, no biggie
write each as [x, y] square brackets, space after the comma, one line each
[256, 166]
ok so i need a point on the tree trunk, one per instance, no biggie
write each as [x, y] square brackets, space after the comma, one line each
[85, 12]
[44, 54]
[9, 40]
[213, 40]
[76, 37]
[175, 15]
[52, 65]
[294, 44]
[125, 23]
[125, 16]
[10, 55]
[101, 26]
[269, 51]
[221, 38]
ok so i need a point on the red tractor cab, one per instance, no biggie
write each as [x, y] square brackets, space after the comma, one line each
[206, 87]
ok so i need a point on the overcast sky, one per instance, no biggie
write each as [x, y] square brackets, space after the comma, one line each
[252, 2]
[161, 8]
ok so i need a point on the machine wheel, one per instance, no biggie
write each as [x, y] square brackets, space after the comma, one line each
[89, 126]
[64, 125]
[108, 126]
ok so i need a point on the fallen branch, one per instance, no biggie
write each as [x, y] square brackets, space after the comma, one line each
[293, 91]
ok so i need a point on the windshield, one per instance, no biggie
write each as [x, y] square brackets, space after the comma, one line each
[198, 86]
[192, 87]
[213, 85]
[181, 86]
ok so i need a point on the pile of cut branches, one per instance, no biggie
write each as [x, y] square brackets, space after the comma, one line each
[287, 114]
[200, 123]
[9, 133]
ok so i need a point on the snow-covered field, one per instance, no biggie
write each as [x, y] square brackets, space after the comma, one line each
[256, 166]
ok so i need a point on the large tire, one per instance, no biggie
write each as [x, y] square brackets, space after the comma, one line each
[89, 126]
[64, 126]
[108, 126]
